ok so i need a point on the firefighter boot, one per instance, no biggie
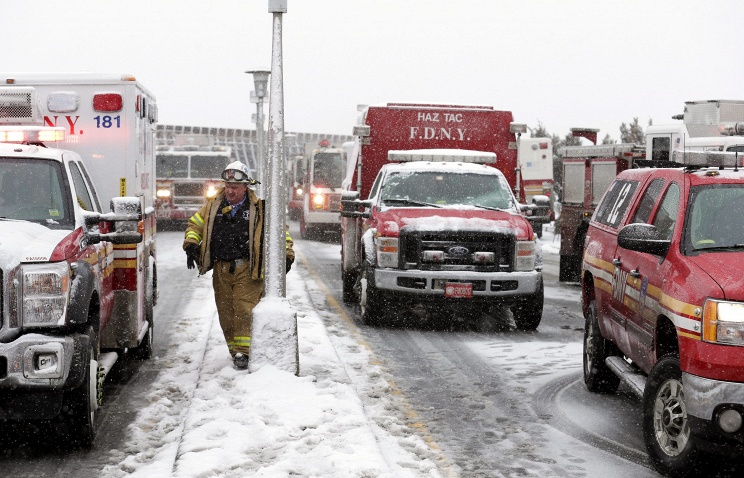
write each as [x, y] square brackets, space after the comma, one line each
[240, 361]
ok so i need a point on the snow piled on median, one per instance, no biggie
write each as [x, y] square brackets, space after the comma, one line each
[339, 418]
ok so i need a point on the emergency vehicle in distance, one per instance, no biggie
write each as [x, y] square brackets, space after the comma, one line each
[187, 174]
[296, 181]
[442, 228]
[535, 160]
[325, 165]
[663, 300]
[589, 170]
[78, 283]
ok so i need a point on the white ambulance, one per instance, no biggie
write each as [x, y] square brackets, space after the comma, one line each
[77, 240]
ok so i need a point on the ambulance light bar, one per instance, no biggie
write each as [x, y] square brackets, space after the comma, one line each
[707, 159]
[31, 134]
[438, 155]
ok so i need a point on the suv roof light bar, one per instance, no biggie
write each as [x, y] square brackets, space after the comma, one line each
[442, 155]
[707, 159]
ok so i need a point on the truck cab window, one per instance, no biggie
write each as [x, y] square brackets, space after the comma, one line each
[81, 190]
[666, 216]
[643, 213]
[615, 202]
[660, 148]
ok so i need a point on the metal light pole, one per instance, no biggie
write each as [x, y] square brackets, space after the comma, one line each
[274, 329]
[276, 179]
[260, 80]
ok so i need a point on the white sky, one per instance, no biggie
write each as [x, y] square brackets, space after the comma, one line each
[563, 63]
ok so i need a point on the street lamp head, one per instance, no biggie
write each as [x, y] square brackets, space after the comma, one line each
[261, 80]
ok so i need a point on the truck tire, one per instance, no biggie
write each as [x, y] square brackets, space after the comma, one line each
[348, 280]
[598, 377]
[528, 312]
[80, 404]
[306, 231]
[666, 431]
[144, 350]
[369, 297]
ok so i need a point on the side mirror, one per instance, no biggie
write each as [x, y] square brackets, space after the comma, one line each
[351, 205]
[126, 212]
[643, 238]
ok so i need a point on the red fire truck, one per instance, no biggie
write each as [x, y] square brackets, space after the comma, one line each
[443, 229]
[187, 174]
[321, 192]
[78, 281]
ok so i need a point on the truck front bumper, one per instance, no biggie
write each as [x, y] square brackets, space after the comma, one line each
[326, 218]
[706, 400]
[36, 361]
[431, 284]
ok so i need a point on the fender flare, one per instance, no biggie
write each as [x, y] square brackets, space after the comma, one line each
[368, 247]
[83, 287]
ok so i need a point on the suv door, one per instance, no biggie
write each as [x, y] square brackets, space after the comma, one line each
[600, 257]
[646, 273]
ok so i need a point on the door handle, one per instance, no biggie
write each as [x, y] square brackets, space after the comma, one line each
[616, 262]
[635, 273]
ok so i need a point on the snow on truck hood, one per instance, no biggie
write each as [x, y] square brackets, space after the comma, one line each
[450, 219]
[22, 241]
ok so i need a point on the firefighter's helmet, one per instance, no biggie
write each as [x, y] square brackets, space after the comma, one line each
[237, 172]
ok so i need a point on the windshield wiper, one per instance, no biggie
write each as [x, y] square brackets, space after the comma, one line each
[491, 208]
[410, 202]
[722, 248]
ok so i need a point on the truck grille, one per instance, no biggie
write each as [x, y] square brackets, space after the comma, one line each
[458, 248]
[188, 189]
[334, 202]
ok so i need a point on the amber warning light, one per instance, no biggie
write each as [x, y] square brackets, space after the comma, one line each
[31, 134]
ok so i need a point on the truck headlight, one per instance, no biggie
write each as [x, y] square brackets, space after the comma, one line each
[319, 201]
[163, 193]
[45, 292]
[211, 191]
[723, 322]
[524, 259]
[387, 251]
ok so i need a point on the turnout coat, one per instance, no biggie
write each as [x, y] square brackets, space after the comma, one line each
[199, 232]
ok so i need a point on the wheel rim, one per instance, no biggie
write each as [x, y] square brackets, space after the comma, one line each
[670, 418]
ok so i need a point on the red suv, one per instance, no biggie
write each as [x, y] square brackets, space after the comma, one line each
[663, 299]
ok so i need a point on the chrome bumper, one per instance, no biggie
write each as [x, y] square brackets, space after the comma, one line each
[36, 361]
[703, 395]
[430, 283]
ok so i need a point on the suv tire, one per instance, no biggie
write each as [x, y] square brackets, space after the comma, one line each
[666, 431]
[598, 377]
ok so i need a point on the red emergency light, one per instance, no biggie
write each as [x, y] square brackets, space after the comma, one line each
[107, 102]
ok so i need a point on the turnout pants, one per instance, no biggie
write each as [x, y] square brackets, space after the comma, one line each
[236, 294]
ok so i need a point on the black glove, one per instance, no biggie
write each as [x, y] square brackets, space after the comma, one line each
[289, 264]
[192, 255]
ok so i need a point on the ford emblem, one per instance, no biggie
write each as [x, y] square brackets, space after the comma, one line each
[458, 250]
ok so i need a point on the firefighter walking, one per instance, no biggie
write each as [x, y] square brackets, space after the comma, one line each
[226, 235]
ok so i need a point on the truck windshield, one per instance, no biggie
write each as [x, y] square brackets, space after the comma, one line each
[33, 190]
[468, 189]
[208, 166]
[328, 170]
[716, 218]
[172, 166]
